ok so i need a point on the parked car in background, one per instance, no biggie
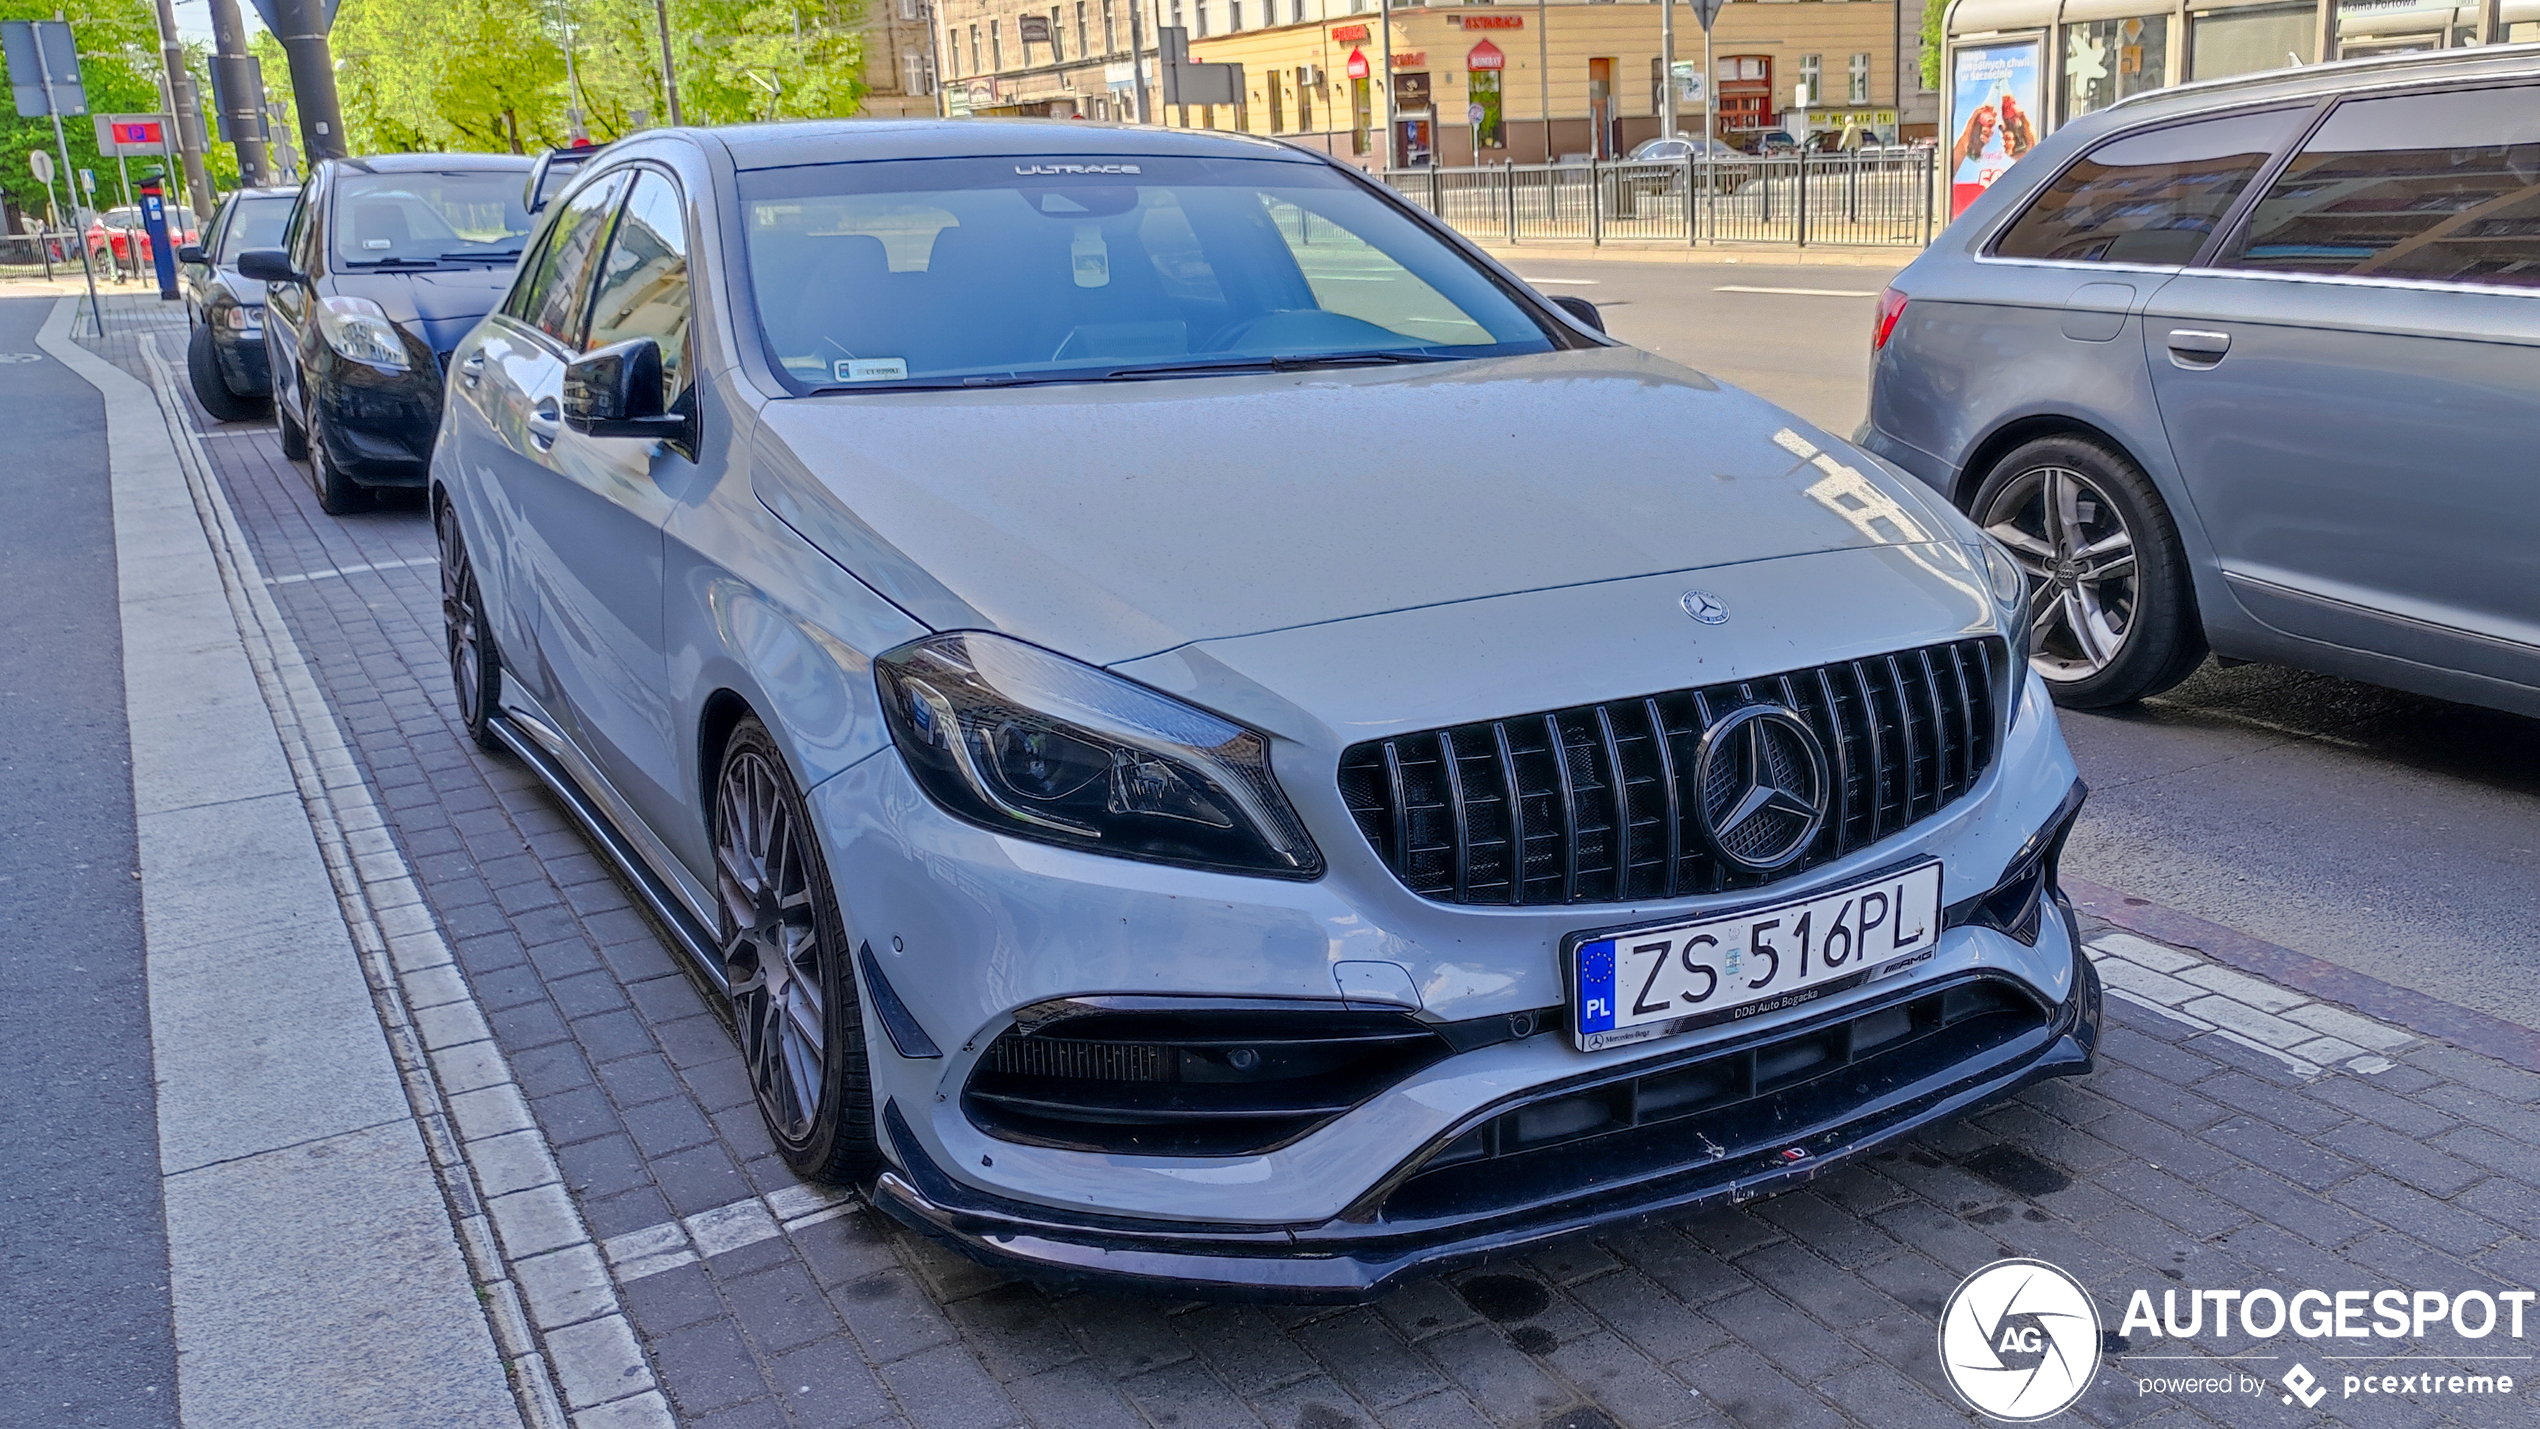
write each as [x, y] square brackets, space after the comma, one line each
[1679, 147]
[1132, 849]
[388, 261]
[1770, 142]
[224, 312]
[117, 235]
[2251, 365]
[555, 169]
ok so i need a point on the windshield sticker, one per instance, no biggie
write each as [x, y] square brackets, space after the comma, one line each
[377, 243]
[1029, 170]
[870, 369]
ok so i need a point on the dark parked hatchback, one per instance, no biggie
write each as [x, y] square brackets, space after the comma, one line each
[389, 261]
[225, 349]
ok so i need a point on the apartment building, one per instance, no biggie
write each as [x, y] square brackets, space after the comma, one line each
[1469, 83]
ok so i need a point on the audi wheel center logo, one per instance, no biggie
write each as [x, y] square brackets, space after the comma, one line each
[2019, 1340]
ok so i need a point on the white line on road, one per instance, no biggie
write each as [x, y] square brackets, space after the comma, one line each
[352, 570]
[672, 1244]
[1566, 282]
[1801, 292]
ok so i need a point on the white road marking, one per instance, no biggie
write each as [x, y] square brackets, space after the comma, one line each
[1566, 282]
[1800, 292]
[672, 1244]
[352, 570]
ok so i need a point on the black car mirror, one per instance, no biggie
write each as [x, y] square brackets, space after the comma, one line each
[267, 265]
[615, 391]
[1581, 309]
[191, 253]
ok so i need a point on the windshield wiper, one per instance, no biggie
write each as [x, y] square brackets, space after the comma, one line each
[392, 262]
[487, 253]
[1303, 363]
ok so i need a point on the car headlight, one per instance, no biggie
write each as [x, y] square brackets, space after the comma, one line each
[1020, 741]
[359, 329]
[2009, 582]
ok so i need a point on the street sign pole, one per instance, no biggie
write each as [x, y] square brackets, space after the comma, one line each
[240, 95]
[79, 234]
[1666, 69]
[1706, 11]
[1384, 83]
[198, 187]
[301, 26]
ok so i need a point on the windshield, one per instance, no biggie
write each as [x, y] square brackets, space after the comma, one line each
[428, 217]
[939, 270]
[257, 224]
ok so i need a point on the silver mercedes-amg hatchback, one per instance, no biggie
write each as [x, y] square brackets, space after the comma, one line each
[1207, 734]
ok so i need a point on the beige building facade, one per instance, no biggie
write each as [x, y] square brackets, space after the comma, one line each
[1486, 83]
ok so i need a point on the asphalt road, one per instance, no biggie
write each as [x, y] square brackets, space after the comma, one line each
[2386, 832]
[85, 1331]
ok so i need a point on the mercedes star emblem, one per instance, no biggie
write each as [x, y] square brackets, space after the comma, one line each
[1761, 777]
[1702, 605]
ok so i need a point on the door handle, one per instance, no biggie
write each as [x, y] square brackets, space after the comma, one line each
[2194, 347]
[472, 369]
[544, 421]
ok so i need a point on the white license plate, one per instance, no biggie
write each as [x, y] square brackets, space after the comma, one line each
[1640, 983]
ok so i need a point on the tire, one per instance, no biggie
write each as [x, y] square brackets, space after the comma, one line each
[476, 665]
[337, 494]
[776, 913]
[2112, 610]
[202, 368]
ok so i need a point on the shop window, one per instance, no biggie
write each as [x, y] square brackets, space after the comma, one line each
[1490, 127]
[2148, 198]
[1362, 115]
[2442, 187]
[2106, 60]
[2246, 41]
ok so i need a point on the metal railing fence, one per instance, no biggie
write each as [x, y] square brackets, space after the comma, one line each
[1883, 198]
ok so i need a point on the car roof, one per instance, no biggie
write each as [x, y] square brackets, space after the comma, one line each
[2318, 81]
[839, 141]
[432, 163]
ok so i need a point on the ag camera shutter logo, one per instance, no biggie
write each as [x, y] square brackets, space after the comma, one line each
[2019, 1340]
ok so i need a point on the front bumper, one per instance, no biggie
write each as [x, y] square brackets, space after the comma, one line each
[378, 425]
[241, 355]
[1358, 1254]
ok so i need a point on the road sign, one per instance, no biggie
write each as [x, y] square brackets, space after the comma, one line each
[38, 49]
[131, 136]
[1706, 11]
[42, 164]
[88, 182]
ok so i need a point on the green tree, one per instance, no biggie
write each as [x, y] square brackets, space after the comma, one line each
[118, 62]
[1933, 11]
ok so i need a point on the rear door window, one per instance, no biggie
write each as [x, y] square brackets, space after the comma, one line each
[2443, 187]
[2151, 198]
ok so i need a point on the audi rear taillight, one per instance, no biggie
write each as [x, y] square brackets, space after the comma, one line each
[1891, 307]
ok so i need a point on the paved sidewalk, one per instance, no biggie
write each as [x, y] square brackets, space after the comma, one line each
[2238, 1135]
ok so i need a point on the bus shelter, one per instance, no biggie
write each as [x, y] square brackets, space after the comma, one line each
[2015, 69]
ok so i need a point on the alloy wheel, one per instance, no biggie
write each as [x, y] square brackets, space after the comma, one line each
[774, 953]
[2080, 560]
[459, 617]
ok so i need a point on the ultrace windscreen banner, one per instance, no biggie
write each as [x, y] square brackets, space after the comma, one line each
[1994, 95]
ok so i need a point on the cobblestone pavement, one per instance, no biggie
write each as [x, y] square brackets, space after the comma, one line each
[2237, 1135]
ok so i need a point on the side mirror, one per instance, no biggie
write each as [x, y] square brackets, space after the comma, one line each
[1581, 309]
[267, 265]
[615, 391]
[191, 253]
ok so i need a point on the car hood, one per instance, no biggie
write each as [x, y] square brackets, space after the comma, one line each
[1115, 521]
[441, 305]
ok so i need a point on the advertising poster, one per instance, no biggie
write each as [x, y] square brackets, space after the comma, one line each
[1993, 92]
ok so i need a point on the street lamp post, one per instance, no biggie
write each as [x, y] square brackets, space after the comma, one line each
[669, 77]
[302, 32]
[239, 95]
[1666, 69]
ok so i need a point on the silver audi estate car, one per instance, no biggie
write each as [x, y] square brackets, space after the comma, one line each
[2252, 365]
[1207, 735]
